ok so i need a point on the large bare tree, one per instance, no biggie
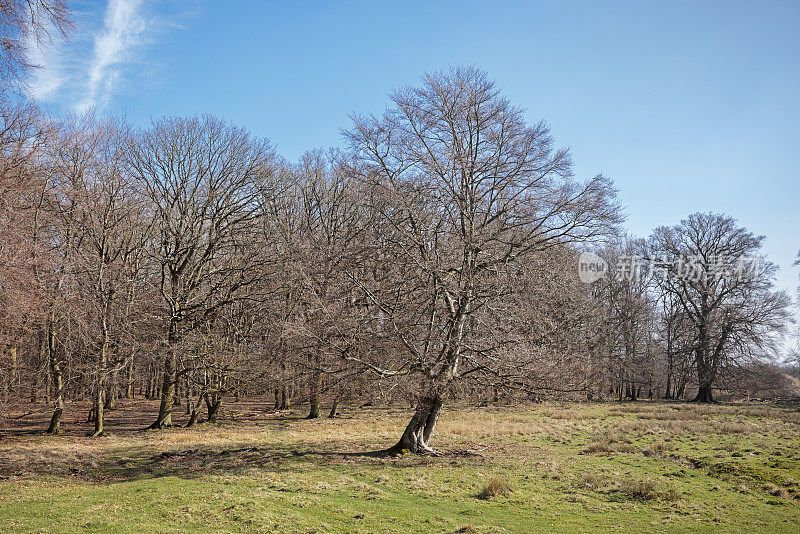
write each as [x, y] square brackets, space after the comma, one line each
[464, 191]
[201, 176]
[711, 266]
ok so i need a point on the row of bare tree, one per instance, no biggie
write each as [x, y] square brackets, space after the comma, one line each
[432, 258]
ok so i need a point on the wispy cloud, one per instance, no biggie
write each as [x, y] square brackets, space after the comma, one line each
[48, 76]
[106, 54]
[122, 33]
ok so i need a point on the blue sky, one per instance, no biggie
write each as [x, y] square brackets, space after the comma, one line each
[688, 106]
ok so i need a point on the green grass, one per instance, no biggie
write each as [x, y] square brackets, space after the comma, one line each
[558, 467]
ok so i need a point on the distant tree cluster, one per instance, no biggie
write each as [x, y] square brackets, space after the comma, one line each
[434, 258]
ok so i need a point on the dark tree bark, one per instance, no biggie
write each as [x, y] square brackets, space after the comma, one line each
[213, 403]
[334, 407]
[416, 437]
[164, 419]
[195, 411]
[57, 378]
[313, 395]
[704, 394]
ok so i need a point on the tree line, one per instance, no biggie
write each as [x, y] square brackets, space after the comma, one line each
[434, 257]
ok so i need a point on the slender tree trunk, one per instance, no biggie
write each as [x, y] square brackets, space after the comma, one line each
[129, 382]
[40, 359]
[100, 386]
[98, 413]
[112, 392]
[164, 419]
[314, 386]
[335, 403]
[195, 412]
[13, 375]
[57, 378]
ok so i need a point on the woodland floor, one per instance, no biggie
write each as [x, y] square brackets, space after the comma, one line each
[632, 467]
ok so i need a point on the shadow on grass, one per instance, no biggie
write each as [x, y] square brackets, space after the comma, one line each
[199, 462]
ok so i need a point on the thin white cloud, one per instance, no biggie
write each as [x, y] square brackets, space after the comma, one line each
[47, 78]
[99, 59]
[123, 31]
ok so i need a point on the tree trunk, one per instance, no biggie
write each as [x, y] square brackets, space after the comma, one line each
[40, 358]
[164, 419]
[129, 389]
[704, 394]
[213, 402]
[705, 378]
[285, 401]
[112, 393]
[334, 406]
[100, 385]
[417, 435]
[313, 394]
[195, 412]
[57, 379]
[99, 416]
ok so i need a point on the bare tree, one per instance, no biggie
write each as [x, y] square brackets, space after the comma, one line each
[108, 219]
[201, 177]
[677, 344]
[27, 23]
[325, 240]
[712, 268]
[463, 190]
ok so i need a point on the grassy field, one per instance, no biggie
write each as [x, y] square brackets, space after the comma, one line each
[641, 467]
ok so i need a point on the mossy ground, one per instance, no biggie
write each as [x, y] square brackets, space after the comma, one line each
[643, 467]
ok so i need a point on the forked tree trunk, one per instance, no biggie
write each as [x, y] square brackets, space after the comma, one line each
[195, 411]
[212, 405]
[417, 435]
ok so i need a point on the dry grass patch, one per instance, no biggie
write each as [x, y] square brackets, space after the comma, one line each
[496, 487]
[481, 424]
[645, 490]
